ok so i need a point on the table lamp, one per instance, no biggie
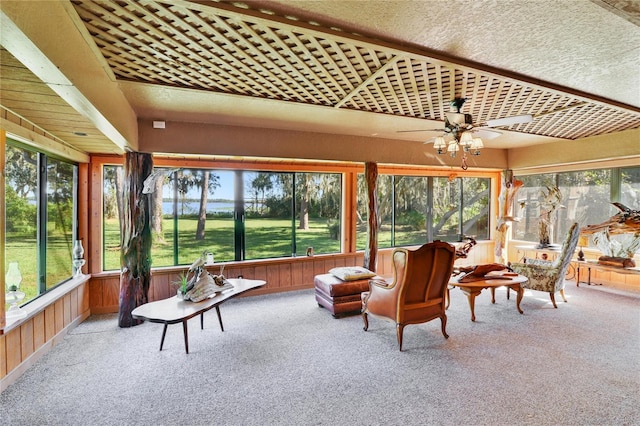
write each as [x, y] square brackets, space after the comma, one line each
[582, 241]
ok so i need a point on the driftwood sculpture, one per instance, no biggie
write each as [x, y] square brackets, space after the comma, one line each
[505, 203]
[625, 222]
[463, 251]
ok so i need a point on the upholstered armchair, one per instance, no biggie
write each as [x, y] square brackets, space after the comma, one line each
[417, 293]
[548, 275]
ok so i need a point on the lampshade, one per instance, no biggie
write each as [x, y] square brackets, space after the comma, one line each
[439, 144]
[452, 148]
[466, 140]
[476, 143]
[583, 241]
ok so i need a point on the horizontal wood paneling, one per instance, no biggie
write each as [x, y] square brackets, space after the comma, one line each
[288, 274]
[22, 345]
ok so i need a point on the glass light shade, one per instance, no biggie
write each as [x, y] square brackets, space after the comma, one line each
[452, 148]
[13, 277]
[439, 144]
[466, 140]
[78, 249]
[476, 145]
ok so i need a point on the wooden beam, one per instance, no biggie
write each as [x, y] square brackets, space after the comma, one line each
[3, 149]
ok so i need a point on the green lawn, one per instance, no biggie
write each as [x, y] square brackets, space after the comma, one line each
[264, 237]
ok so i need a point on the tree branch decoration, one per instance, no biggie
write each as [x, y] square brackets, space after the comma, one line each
[549, 204]
[505, 203]
[618, 238]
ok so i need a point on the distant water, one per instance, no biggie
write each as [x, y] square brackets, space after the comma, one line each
[192, 207]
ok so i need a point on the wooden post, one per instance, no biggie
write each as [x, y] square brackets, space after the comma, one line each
[135, 255]
[3, 147]
[371, 253]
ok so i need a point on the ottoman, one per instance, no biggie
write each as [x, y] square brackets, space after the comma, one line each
[339, 297]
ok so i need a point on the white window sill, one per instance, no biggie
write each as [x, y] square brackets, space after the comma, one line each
[41, 303]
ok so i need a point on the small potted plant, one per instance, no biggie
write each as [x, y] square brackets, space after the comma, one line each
[182, 282]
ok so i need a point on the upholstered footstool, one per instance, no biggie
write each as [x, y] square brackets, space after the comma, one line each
[339, 297]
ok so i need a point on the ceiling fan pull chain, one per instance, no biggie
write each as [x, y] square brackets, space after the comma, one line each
[464, 161]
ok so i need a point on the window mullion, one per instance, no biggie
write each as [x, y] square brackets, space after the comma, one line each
[42, 223]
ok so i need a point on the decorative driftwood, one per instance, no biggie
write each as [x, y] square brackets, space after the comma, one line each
[135, 255]
[505, 203]
[371, 254]
[625, 222]
[618, 262]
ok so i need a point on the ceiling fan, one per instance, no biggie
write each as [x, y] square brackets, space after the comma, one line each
[462, 128]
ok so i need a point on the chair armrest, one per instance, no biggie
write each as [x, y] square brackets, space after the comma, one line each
[526, 268]
[379, 282]
[538, 262]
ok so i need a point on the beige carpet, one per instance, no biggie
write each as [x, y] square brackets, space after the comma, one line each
[284, 361]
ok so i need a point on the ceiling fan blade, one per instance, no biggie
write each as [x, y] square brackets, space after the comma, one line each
[487, 134]
[421, 130]
[508, 121]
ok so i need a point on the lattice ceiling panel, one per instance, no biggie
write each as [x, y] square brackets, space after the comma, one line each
[188, 45]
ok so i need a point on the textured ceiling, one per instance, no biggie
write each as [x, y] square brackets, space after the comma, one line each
[572, 65]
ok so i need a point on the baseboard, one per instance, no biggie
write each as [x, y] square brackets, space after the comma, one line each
[15, 374]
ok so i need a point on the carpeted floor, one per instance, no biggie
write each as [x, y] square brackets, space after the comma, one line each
[284, 361]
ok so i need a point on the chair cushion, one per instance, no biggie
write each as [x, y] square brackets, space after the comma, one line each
[351, 273]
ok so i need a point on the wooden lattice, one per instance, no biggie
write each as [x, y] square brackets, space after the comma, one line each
[213, 48]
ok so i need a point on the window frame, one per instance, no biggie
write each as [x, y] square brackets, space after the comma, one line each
[41, 198]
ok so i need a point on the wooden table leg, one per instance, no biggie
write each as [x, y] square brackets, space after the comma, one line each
[164, 333]
[219, 317]
[520, 290]
[471, 297]
[493, 295]
[186, 336]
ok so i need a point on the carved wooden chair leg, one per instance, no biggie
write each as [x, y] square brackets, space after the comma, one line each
[563, 296]
[443, 323]
[399, 330]
[366, 321]
[553, 299]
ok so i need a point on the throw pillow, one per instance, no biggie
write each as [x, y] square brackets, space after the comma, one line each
[351, 273]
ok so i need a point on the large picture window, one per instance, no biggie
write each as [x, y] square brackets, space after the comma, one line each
[233, 214]
[41, 194]
[413, 210]
[586, 198]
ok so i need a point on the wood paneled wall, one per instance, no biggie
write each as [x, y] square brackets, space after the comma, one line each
[286, 274]
[25, 343]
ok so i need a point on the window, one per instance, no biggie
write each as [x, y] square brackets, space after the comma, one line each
[586, 198]
[416, 209]
[41, 221]
[630, 187]
[234, 214]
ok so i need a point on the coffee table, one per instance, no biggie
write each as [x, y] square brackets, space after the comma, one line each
[474, 288]
[174, 310]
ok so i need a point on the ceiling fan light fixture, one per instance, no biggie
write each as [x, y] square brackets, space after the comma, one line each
[465, 140]
[476, 145]
[453, 148]
[439, 144]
